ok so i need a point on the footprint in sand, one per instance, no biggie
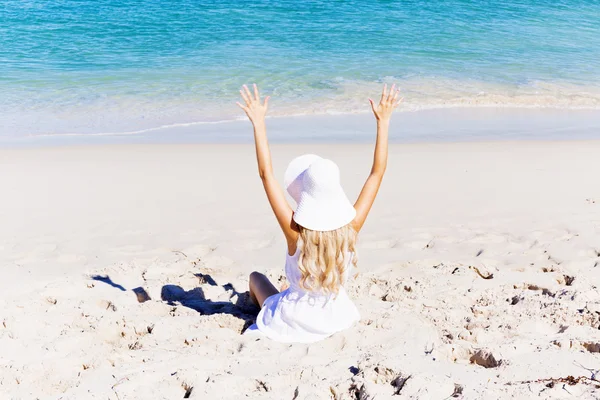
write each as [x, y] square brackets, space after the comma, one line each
[485, 358]
[578, 345]
[592, 347]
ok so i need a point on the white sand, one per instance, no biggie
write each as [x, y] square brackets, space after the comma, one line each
[163, 217]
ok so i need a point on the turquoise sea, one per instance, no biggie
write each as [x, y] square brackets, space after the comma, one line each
[111, 66]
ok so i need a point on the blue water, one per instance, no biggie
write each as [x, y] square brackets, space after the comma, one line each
[93, 66]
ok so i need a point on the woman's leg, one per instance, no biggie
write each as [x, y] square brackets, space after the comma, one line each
[260, 288]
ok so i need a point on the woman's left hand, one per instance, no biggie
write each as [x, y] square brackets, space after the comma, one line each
[254, 109]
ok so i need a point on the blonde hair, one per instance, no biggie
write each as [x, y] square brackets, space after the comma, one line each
[324, 257]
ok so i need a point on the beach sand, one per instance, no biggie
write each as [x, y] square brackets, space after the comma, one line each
[124, 274]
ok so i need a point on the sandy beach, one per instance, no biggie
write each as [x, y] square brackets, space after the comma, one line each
[124, 274]
[132, 213]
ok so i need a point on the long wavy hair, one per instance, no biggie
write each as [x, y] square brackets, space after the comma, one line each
[324, 258]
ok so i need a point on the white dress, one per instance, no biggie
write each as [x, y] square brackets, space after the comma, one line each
[296, 315]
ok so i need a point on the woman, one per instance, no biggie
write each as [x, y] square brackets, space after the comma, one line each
[320, 234]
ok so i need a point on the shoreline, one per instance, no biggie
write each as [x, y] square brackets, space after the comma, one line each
[425, 126]
[120, 114]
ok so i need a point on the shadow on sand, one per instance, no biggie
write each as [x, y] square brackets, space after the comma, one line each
[106, 279]
[175, 295]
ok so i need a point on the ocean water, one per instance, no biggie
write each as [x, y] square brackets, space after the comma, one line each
[115, 66]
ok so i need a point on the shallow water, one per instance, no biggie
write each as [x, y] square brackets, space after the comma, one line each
[110, 66]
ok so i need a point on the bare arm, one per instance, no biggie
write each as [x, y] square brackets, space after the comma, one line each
[383, 113]
[256, 113]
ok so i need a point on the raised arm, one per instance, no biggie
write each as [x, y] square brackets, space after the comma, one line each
[389, 101]
[256, 112]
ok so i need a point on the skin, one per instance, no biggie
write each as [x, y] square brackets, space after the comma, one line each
[256, 110]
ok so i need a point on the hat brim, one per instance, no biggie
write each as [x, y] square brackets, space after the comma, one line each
[324, 215]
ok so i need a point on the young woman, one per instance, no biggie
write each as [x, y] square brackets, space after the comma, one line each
[321, 233]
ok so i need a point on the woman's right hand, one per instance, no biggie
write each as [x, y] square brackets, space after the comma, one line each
[254, 108]
[388, 102]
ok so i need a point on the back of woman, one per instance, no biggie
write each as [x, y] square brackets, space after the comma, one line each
[321, 234]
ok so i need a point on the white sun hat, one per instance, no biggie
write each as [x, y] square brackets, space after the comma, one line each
[322, 203]
[292, 180]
